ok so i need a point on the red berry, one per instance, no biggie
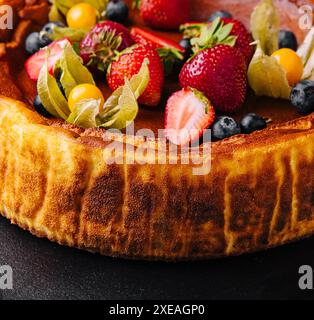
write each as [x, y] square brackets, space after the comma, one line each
[101, 43]
[244, 38]
[220, 73]
[34, 63]
[128, 64]
[148, 37]
[165, 14]
[188, 114]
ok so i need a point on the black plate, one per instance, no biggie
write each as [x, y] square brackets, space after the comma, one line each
[44, 270]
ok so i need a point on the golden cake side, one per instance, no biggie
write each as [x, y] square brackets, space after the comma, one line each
[259, 193]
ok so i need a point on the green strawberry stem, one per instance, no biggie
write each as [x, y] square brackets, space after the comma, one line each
[213, 35]
[191, 30]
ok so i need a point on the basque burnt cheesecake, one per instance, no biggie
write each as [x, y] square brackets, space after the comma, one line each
[57, 175]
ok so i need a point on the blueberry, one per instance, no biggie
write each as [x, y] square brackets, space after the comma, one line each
[117, 11]
[186, 44]
[46, 30]
[40, 108]
[287, 39]
[302, 96]
[252, 122]
[219, 14]
[225, 127]
[32, 43]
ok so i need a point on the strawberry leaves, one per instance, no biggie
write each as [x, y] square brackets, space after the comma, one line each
[212, 35]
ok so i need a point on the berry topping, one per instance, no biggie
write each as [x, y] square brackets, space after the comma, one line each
[48, 30]
[129, 62]
[117, 10]
[291, 63]
[219, 14]
[85, 92]
[39, 107]
[287, 39]
[37, 60]
[252, 122]
[100, 45]
[188, 114]
[220, 73]
[82, 16]
[32, 43]
[149, 37]
[302, 96]
[225, 127]
[244, 38]
[164, 14]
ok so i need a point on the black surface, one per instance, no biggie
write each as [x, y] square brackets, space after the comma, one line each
[44, 270]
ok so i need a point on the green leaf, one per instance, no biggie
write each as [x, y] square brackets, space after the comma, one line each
[72, 70]
[265, 26]
[75, 35]
[267, 77]
[122, 107]
[85, 113]
[210, 36]
[50, 94]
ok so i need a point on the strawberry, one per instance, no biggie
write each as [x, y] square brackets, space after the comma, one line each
[164, 14]
[100, 45]
[220, 73]
[188, 114]
[158, 41]
[34, 63]
[244, 38]
[169, 51]
[128, 64]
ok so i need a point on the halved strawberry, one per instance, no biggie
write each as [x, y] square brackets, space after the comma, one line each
[144, 36]
[34, 63]
[188, 114]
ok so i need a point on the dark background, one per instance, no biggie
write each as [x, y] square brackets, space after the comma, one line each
[45, 270]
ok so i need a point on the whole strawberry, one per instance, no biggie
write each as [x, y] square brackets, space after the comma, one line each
[128, 64]
[100, 45]
[244, 38]
[220, 73]
[164, 14]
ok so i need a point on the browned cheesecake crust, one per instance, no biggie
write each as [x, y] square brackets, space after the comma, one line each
[56, 181]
